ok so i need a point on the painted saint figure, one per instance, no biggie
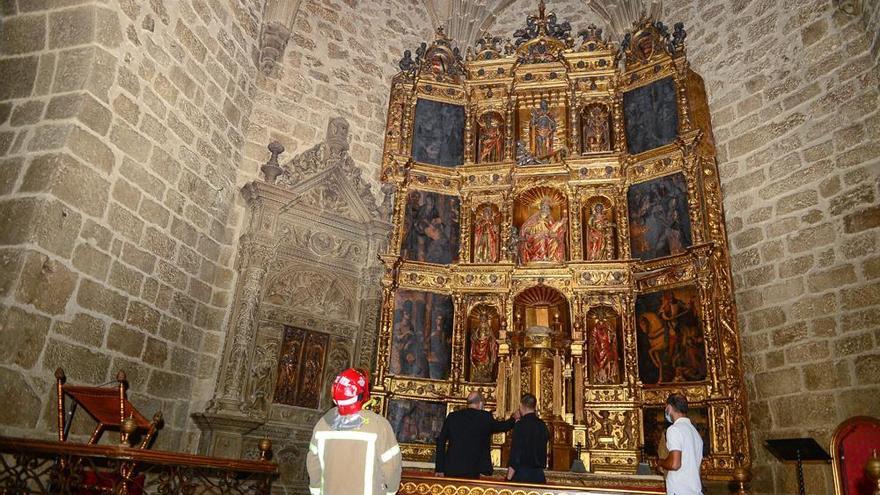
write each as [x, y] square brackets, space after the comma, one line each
[483, 351]
[491, 138]
[438, 351]
[543, 125]
[486, 236]
[604, 354]
[405, 342]
[542, 237]
[599, 226]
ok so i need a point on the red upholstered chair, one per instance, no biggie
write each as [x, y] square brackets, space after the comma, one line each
[852, 445]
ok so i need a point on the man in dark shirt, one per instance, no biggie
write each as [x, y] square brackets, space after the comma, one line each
[463, 444]
[528, 451]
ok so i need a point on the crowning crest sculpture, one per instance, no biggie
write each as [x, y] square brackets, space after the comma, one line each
[558, 229]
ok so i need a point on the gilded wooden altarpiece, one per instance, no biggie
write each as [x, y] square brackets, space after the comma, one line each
[576, 155]
[306, 306]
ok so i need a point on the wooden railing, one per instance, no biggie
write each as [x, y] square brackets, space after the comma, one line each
[41, 467]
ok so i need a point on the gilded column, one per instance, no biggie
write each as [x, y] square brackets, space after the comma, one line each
[577, 351]
[506, 226]
[465, 222]
[458, 336]
[707, 315]
[510, 149]
[576, 227]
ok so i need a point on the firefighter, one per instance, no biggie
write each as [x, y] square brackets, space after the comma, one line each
[353, 451]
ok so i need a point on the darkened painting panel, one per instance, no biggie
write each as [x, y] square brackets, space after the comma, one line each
[655, 426]
[422, 335]
[651, 116]
[416, 421]
[438, 133]
[670, 336]
[431, 228]
[659, 222]
[301, 367]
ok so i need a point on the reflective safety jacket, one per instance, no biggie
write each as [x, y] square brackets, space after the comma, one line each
[353, 455]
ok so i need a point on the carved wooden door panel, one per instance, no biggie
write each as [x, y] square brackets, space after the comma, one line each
[301, 368]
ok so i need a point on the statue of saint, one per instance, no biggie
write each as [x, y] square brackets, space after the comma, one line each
[483, 351]
[543, 124]
[599, 226]
[486, 236]
[542, 238]
[491, 138]
[604, 354]
[594, 130]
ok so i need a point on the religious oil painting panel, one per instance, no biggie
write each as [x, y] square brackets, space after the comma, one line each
[670, 336]
[431, 228]
[651, 116]
[655, 425]
[416, 421]
[659, 222]
[421, 335]
[438, 133]
[301, 367]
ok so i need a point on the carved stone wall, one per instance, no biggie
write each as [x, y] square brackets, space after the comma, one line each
[308, 260]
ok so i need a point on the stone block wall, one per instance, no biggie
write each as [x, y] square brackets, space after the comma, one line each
[121, 133]
[794, 89]
[339, 61]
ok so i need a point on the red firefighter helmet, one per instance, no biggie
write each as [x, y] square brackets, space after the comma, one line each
[351, 389]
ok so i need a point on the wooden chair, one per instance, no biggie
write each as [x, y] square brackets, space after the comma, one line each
[852, 444]
[109, 406]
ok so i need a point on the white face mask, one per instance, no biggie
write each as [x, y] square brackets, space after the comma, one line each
[668, 416]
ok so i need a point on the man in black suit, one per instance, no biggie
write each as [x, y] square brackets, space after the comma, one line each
[463, 444]
[528, 450]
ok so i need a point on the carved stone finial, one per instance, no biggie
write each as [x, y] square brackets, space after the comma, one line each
[273, 41]
[271, 170]
[337, 137]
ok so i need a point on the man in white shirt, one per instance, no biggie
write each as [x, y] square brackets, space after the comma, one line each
[685, 450]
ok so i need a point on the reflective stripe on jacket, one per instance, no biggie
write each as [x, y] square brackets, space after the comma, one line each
[364, 460]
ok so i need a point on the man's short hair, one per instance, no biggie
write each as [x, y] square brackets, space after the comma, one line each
[679, 402]
[474, 398]
[530, 401]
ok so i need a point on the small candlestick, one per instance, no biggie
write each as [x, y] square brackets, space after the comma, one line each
[265, 447]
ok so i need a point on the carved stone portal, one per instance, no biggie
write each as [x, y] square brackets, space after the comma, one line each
[306, 303]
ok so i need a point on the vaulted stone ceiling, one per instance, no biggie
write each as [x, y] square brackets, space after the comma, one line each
[466, 20]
